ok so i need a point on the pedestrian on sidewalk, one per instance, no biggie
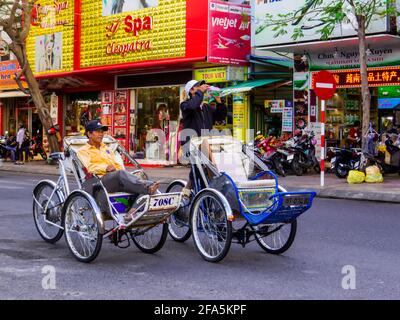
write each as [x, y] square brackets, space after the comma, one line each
[20, 143]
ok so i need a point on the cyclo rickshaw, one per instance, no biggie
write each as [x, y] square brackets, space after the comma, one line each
[87, 221]
[235, 198]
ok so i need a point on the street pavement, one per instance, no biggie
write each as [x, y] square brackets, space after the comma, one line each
[335, 239]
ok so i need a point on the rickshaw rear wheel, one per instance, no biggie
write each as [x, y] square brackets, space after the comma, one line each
[177, 229]
[152, 240]
[279, 241]
[82, 229]
[211, 229]
[42, 193]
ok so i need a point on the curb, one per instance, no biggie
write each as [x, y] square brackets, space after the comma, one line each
[328, 193]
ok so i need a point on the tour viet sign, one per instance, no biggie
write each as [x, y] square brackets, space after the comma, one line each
[229, 33]
[211, 75]
[132, 31]
[324, 85]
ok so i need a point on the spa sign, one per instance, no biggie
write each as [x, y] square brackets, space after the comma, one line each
[115, 32]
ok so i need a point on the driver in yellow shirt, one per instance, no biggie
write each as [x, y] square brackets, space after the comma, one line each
[100, 160]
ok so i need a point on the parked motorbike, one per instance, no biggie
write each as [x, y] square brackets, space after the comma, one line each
[265, 151]
[343, 160]
[37, 147]
[3, 143]
[304, 158]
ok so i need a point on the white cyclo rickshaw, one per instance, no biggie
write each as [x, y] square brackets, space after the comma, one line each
[65, 207]
[235, 198]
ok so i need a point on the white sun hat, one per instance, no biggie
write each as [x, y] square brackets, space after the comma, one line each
[193, 83]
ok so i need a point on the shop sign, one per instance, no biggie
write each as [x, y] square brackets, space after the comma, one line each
[8, 69]
[133, 26]
[239, 116]
[229, 33]
[117, 32]
[345, 58]
[275, 106]
[263, 34]
[50, 45]
[287, 120]
[48, 16]
[54, 108]
[235, 73]
[211, 75]
[377, 77]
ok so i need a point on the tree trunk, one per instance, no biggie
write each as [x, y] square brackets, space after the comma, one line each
[38, 100]
[365, 93]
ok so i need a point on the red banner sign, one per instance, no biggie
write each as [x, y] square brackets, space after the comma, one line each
[377, 77]
[229, 33]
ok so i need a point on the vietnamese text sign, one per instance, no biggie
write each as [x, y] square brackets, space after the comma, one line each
[229, 33]
[211, 75]
[287, 120]
[275, 106]
[8, 69]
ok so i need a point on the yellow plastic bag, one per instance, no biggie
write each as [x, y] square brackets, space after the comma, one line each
[373, 175]
[355, 177]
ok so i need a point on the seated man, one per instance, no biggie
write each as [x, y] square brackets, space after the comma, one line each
[98, 159]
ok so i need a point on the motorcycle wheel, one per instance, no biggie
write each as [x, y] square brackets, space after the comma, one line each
[296, 166]
[278, 167]
[340, 171]
[43, 155]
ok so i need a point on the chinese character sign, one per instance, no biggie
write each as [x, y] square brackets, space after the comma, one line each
[389, 76]
[229, 33]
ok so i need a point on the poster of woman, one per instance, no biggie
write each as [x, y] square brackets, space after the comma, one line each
[111, 7]
[48, 52]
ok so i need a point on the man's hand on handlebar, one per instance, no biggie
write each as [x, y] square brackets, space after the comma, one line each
[110, 168]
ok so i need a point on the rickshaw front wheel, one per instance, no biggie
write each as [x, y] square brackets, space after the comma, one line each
[278, 241]
[82, 229]
[211, 229]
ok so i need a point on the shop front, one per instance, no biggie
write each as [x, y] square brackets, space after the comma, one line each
[129, 67]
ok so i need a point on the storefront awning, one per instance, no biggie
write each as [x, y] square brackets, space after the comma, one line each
[271, 61]
[248, 85]
[13, 94]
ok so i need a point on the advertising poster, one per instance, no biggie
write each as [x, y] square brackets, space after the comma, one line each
[229, 33]
[239, 117]
[263, 33]
[50, 45]
[275, 106]
[287, 120]
[111, 7]
[48, 52]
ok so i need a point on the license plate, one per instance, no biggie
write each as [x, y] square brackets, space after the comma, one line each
[164, 202]
[289, 201]
[290, 157]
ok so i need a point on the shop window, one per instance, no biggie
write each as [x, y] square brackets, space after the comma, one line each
[157, 122]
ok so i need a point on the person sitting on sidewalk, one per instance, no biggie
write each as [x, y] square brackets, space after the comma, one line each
[101, 161]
